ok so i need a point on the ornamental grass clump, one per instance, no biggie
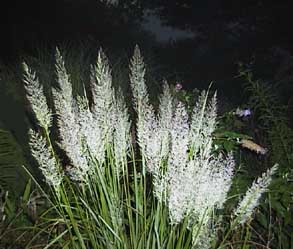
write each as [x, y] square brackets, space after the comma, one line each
[103, 194]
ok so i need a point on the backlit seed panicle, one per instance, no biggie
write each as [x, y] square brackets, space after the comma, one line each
[145, 114]
[192, 181]
[92, 137]
[214, 178]
[201, 186]
[46, 160]
[162, 138]
[103, 107]
[148, 129]
[203, 124]
[36, 97]
[179, 139]
[137, 80]
[177, 172]
[147, 134]
[101, 85]
[121, 132]
[165, 119]
[70, 135]
[252, 197]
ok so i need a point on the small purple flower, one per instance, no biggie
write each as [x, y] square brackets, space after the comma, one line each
[246, 112]
[243, 113]
[178, 87]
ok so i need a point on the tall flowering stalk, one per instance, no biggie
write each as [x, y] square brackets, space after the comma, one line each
[106, 201]
[36, 97]
[165, 116]
[152, 130]
[46, 160]
[252, 197]
[121, 127]
[146, 120]
[95, 137]
[186, 146]
[203, 124]
[188, 176]
[69, 129]
[137, 81]
[40, 146]
[162, 139]
[85, 130]
[103, 107]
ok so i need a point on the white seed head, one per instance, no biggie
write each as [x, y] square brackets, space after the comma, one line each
[179, 140]
[121, 131]
[92, 135]
[47, 162]
[252, 197]
[66, 109]
[189, 183]
[103, 107]
[165, 119]
[203, 124]
[137, 80]
[36, 97]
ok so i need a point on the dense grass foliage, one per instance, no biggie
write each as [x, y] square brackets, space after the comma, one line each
[136, 177]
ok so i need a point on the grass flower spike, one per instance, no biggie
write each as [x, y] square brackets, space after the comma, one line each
[103, 107]
[165, 119]
[252, 197]
[137, 80]
[43, 153]
[36, 97]
[193, 180]
[203, 124]
[71, 137]
[46, 160]
[121, 131]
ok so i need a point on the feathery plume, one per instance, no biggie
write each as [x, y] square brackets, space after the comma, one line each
[160, 143]
[103, 108]
[197, 182]
[177, 172]
[90, 131]
[71, 137]
[203, 124]
[179, 139]
[137, 80]
[213, 180]
[121, 130]
[148, 130]
[36, 97]
[46, 160]
[165, 119]
[252, 197]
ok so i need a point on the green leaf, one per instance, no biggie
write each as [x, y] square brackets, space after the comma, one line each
[12, 176]
[27, 191]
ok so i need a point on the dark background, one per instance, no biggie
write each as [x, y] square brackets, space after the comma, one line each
[257, 33]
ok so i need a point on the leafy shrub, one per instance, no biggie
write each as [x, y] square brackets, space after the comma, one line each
[270, 117]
